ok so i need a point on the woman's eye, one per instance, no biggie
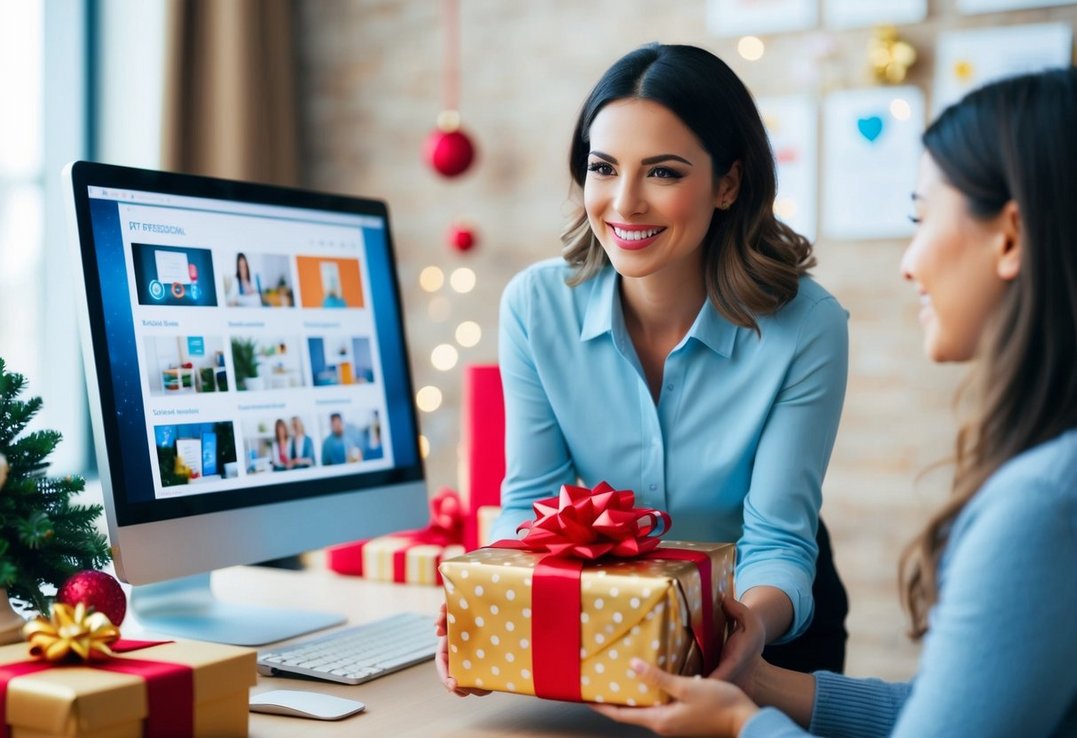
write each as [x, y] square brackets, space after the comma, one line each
[665, 173]
[600, 167]
[914, 220]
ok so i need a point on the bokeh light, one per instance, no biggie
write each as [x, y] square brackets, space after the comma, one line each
[444, 357]
[431, 279]
[900, 109]
[468, 333]
[428, 398]
[439, 309]
[462, 280]
[751, 48]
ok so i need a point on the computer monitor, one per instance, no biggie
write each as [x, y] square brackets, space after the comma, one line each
[248, 380]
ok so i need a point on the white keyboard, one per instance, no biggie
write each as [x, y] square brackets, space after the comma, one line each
[358, 653]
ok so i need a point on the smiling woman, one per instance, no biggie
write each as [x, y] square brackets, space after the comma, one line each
[679, 349]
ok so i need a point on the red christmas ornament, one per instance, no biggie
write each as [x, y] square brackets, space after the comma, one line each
[448, 149]
[462, 237]
[97, 590]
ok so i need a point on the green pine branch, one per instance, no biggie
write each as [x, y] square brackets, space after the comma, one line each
[45, 537]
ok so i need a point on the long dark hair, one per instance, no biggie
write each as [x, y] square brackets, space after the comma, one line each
[752, 261]
[1011, 141]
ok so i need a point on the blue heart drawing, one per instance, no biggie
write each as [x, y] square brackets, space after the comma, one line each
[870, 128]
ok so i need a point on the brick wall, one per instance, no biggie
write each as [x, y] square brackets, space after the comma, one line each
[371, 90]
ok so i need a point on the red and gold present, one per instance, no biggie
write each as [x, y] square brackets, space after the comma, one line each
[409, 556]
[563, 621]
[100, 699]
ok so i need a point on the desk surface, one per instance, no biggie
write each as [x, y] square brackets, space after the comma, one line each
[411, 702]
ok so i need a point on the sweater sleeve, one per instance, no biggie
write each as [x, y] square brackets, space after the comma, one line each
[999, 655]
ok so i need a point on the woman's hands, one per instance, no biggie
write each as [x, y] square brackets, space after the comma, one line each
[718, 706]
[703, 706]
[742, 653]
[441, 660]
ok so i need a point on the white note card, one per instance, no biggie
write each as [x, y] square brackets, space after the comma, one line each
[871, 146]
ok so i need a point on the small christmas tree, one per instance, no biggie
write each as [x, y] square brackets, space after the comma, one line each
[44, 536]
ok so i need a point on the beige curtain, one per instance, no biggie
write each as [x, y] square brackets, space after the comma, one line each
[230, 100]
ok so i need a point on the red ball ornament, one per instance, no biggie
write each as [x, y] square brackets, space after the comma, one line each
[448, 149]
[98, 590]
[461, 237]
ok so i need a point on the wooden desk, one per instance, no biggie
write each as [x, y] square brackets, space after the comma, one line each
[408, 703]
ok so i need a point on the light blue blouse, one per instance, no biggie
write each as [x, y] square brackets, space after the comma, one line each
[999, 657]
[736, 447]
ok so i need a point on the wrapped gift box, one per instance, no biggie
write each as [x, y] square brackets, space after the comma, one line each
[392, 559]
[84, 701]
[648, 607]
[409, 556]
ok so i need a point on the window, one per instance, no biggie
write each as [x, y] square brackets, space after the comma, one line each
[43, 72]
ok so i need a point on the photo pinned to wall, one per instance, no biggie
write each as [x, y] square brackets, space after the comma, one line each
[275, 443]
[329, 282]
[791, 123]
[266, 363]
[340, 360]
[864, 13]
[871, 149]
[182, 365]
[259, 280]
[351, 436]
[740, 17]
[965, 60]
[972, 7]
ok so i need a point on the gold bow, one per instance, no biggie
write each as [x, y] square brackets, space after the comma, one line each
[71, 629]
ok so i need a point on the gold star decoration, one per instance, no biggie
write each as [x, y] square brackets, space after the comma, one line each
[889, 56]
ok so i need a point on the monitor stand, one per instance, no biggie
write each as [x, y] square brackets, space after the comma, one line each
[187, 608]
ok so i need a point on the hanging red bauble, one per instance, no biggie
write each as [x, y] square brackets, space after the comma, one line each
[97, 590]
[448, 149]
[462, 237]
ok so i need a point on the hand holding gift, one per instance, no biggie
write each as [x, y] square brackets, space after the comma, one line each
[561, 613]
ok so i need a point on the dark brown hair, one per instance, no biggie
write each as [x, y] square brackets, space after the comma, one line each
[752, 261]
[1010, 141]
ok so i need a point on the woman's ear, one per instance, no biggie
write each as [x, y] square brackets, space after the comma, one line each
[1008, 256]
[728, 187]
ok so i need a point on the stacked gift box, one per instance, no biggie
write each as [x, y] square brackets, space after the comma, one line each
[459, 521]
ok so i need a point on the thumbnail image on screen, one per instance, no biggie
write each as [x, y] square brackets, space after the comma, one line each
[329, 283]
[173, 275]
[192, 452]
[181, 365]
[259, 280]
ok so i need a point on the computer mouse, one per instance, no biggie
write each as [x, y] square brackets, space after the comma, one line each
[313, 705]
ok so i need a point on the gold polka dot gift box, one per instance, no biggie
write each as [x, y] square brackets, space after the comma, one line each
[560, 613]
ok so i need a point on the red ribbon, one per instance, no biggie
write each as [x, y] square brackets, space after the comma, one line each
[581, 524]
[169, 689]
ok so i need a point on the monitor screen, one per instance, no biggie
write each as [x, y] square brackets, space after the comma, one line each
[247, 368]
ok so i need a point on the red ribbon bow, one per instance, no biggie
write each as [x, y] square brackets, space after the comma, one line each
[588, 524]
[583, 524]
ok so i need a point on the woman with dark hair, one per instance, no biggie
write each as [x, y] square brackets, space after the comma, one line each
[679, 349]
[278, 452]
[243, 291]
[989, 581]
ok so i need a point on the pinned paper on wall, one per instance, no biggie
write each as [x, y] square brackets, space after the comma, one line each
[871, 146]
[968, 59]
[992, 6]
[861, 13]
[739, 17]
[792, 128]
